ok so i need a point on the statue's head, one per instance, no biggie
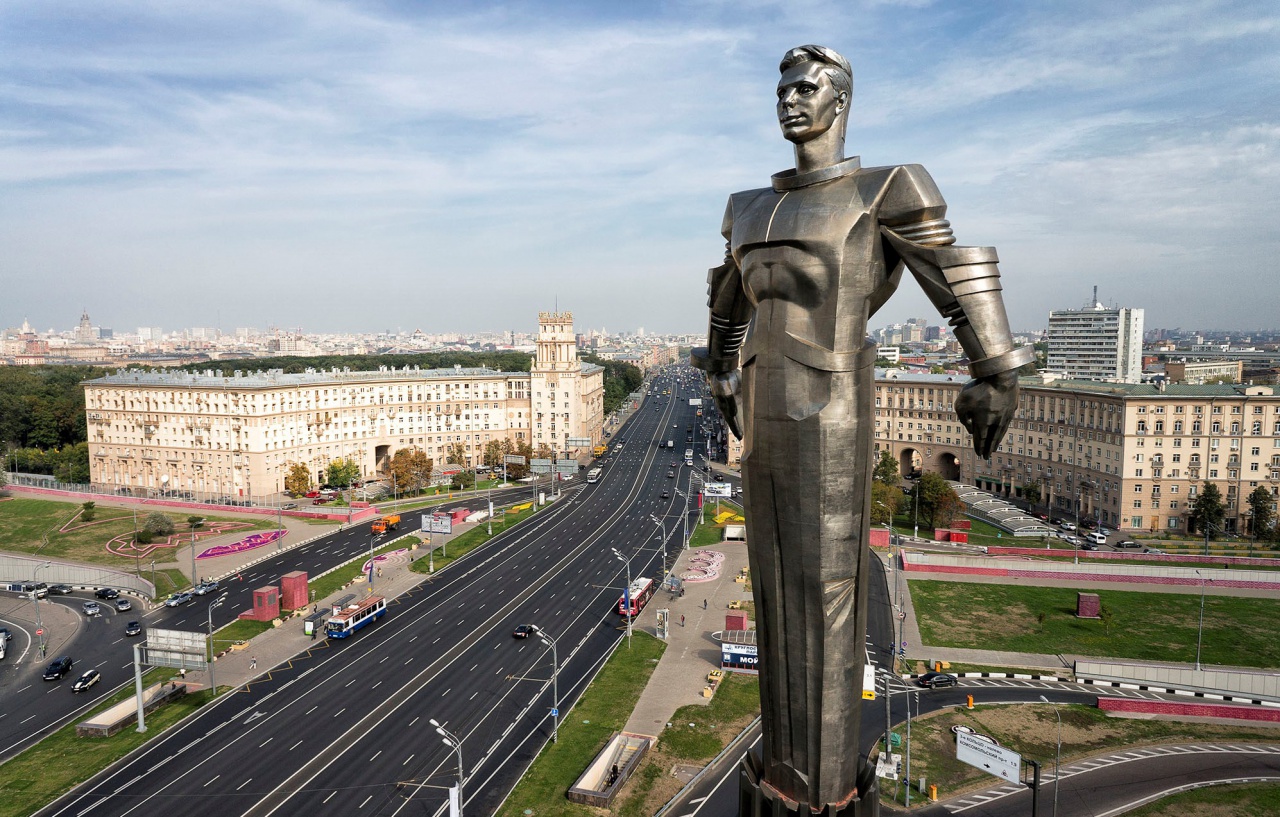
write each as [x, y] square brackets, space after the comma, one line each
[813, 93]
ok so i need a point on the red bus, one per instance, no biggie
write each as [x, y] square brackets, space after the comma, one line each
[638, 594]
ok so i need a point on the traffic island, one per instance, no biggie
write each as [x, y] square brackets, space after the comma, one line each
[112, 720]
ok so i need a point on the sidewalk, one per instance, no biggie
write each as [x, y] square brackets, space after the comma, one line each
[691, 651]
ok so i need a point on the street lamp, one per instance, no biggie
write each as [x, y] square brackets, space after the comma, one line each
[1057, 761]
[215, 603]
[36, 601]
[1200, 629]
[663, 529]
[451, 740]
[546, 638]
[626, 594]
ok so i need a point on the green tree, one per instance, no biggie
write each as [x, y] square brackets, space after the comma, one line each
[456, 454]
[884, 503]
[411, 468]
[463, 480]
[1031, 493]
[938, 503]
[1207, 512]
[158, 524]
[886, 471]
[517, 470]
[1263, 516]
[493, 454]
[297, 479]
[342, 472]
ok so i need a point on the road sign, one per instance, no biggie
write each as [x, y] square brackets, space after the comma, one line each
[40, 631]
[567, 466]
[578, 442]
[979, 752]
[555, 713]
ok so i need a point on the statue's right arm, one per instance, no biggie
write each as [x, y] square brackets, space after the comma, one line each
[731, 313]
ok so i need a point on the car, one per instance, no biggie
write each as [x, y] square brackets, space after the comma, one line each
[123, 605]
[1067, 525]
[60, 667]
[671, 474]
[133, 628]
[1074, 541]
[1054, 520]
[288, 506]
[1088, 546]
[178, 599]
[311, 494]
[60, 589]
[206, 587]
[666, 494]
[107, 593]
[1156, 551]
[933, 680]
[5, 635]
[86, 680]
[674, 463]
[523, 631]
[91, 608]
[675, 425]
[1127, 543]
[321, 500]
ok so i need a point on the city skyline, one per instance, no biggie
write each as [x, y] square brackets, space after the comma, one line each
[346, 167]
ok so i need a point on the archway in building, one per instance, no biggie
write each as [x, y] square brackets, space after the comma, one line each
[949, 466]
[910, 463]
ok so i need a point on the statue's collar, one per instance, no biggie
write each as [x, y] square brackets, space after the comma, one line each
[791, 180]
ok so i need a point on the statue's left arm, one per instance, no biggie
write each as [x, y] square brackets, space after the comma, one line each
[964, 284]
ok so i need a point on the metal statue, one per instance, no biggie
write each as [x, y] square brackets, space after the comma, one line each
[809, 260]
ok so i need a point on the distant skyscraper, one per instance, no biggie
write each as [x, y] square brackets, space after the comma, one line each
[1096, 343]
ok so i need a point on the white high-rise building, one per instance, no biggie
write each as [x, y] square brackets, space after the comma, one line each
[1096, 343]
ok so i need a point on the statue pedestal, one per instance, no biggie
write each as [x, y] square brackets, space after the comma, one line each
[757, 800]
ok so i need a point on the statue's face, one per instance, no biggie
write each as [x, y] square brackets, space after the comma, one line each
[808, 105]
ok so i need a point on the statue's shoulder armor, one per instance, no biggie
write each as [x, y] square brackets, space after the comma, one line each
[906, 194]
[739, 203]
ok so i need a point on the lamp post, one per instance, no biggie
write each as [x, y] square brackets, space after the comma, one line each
[626, 594]
[451, 740]
[371, 538]
[546, 638]
[36, 601]
[1057, 761]
[1200, 629]
[915, 512]
[215, 603]
[663, 529]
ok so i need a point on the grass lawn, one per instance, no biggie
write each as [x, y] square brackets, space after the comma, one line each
[697, 734]
[242, 629]
[168, 581]
[1032, 730]
[1252, 800]
[1147, 626]
[25, 522]
[603, 709]
[462, 544]
[62, 760]
[708, 534]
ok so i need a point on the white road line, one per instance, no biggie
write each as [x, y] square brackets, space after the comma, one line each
[215, 777]
[242, 785]
[375, 755]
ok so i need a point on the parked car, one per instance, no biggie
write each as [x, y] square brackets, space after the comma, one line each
[60, 667]
[933, 680]
[123, 605]
[91, 608]
[205, 587]
[1074, 541]
[321, 500]
[288, 506]
[1067, 525]
[133, 628]
[311, 494]
[1156, 551]
[107, 593]
[523, 631]
[1088, 546]
[86, 680]
[1127, 543]
[60, 589]
[178, 599]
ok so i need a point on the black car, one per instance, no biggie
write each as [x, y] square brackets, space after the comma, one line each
[60, 667]
[107, 593]
[666, 494]
[932, 680]
[1127, 543]
[60, 589]
[523, 631]
[133, 628]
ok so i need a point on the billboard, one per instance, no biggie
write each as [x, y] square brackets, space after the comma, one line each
[980, 752]
[513, 459]
[437, 523]
[740, 658]
[695, 401]
[175, 648]
[722, 489]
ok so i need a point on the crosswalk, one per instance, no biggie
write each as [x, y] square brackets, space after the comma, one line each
[962, 804]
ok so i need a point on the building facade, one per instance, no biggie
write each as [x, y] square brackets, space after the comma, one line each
[1133, 457]
[215, 436]
[1096, 343]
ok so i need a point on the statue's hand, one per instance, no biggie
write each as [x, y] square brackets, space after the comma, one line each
[724, 389]
[985, 408]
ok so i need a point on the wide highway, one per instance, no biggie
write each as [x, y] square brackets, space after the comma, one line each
[344, 728]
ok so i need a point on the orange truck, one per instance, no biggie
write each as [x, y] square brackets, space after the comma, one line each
[386, 523]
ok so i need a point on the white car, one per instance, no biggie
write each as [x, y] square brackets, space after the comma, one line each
[1068, 526]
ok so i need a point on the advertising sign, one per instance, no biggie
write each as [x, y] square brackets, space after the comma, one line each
[740, 658]
[175, 648]
[695, 401]
[513, 459]
[715, 489]
[437, 523]
[578, 442]
[868, 682]
[978, 751]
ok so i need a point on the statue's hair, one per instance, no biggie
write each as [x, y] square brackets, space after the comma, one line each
[840, 73]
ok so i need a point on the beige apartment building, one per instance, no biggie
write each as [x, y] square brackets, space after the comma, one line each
[216, 436]
[1131, 456]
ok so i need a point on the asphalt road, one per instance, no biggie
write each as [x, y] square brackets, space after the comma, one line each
[336, 730]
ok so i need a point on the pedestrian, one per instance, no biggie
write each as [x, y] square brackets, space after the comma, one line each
[704, 604]
[681, 621]
[182, 673]
[253, 662]
[239, 577]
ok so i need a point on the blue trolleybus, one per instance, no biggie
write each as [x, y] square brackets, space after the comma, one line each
[356, 615]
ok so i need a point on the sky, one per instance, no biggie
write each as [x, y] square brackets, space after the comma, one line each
[369, 165]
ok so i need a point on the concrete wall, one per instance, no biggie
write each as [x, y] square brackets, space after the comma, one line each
[1014, 568]
[17, 569]
[1175, 708]
[1255, 685]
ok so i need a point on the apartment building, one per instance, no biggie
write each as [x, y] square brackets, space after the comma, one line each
[1096, 343]
[1131, 456]
[236, 436]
